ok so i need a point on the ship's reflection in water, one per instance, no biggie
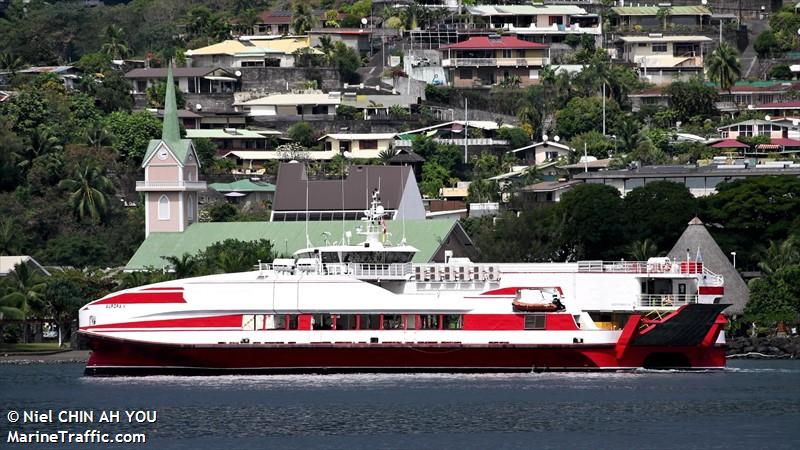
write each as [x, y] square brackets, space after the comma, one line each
[754, 404]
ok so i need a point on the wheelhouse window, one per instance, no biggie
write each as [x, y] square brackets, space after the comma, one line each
[377, 257]
[534, 322]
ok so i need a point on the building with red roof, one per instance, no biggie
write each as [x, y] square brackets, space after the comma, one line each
[484, 61]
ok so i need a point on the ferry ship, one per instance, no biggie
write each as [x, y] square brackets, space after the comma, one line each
[365, 307]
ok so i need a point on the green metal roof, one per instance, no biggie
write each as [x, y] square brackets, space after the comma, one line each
[171, 130]
[242, 186]
[286, 237]
[653, 10]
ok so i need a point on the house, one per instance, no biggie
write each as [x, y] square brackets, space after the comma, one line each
[171, 169]
[191, 80]
[782, 108]
[295, 106]
[189, 119]
[433, 238]
[655, 18]
[484, 61]
[230, 139]
[249, 51]
[700, 181]
[547, 191]
[587, 164]
[664, 59]
[9, 263]
[359, 39]
[754, 127]
[538, 23]
[363, 145]
[69, 75]
[245, 192]
[542, 152]
[299, 198]
[378, 106]
[743, 95]
[481, 134]
[697, 240]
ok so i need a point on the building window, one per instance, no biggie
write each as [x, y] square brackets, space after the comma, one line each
[465, 74]
[190, 206]
[370, 144]
[163, 208]
[659, 48]
[534, 322]
[328, 146]
[506, 53]
[534, 74]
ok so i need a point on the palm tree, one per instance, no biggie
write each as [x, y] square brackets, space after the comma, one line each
[42, 142]
[113, 43]
[25, 297]
[662, 14]
[629, 136]
[90, 190]
[642, 250]
[779, 255]
[10, 62]
[302, 17]
[8, 237]
[724, 66]
[183, 266]
[326, 47]
[386, 155]
[97, 136]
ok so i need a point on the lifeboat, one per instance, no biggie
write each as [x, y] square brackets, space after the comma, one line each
[538, 300]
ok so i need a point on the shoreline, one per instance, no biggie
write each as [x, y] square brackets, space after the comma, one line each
[66, 356]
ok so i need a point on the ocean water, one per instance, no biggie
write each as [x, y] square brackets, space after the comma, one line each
[752, 404]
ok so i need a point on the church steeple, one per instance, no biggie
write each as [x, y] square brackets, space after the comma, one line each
[171, 131]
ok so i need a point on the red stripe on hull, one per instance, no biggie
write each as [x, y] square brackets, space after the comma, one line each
[130, 298]
[228, 321]
[110, 354]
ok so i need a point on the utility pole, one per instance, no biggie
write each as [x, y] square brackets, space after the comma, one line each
[585, 159]
[604, 108]
[466, 129]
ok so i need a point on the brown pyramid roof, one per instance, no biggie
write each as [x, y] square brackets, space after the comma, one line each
[697, 236]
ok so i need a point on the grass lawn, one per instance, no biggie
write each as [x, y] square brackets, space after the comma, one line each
[38, 347]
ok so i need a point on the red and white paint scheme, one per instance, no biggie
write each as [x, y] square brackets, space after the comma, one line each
[365, 307]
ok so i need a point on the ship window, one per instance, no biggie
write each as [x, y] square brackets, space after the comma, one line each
[292, 321]
[411, 322]
[346, 322]
[369, 322]
[453, 321]
[429, 321]
[330, 257]
[321, 322]
[392, 322]
[272, 322]
[534, 322]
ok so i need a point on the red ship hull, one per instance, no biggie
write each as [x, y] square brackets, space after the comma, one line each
[116, 356]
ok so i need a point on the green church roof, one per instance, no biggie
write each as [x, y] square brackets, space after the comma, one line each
[171, 130]
[286, 237]
[242, 186]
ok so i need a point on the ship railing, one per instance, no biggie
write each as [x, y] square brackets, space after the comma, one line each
[370, 271]
[665, 300]
[655, 266]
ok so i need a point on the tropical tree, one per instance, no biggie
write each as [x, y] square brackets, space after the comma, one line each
[183, 266]
[629, 136]
[89, 191]
[384, 156]
[780, 255]
[302, 17]
[724, 66]
[663, 14]
[63, 298]
[642, 250]
[11, 63]
[326, 47]
[23, 300]
[113, 43]
[42, 142]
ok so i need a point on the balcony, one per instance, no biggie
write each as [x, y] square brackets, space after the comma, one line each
[176, 186]
[488, 142]
[495, 62]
